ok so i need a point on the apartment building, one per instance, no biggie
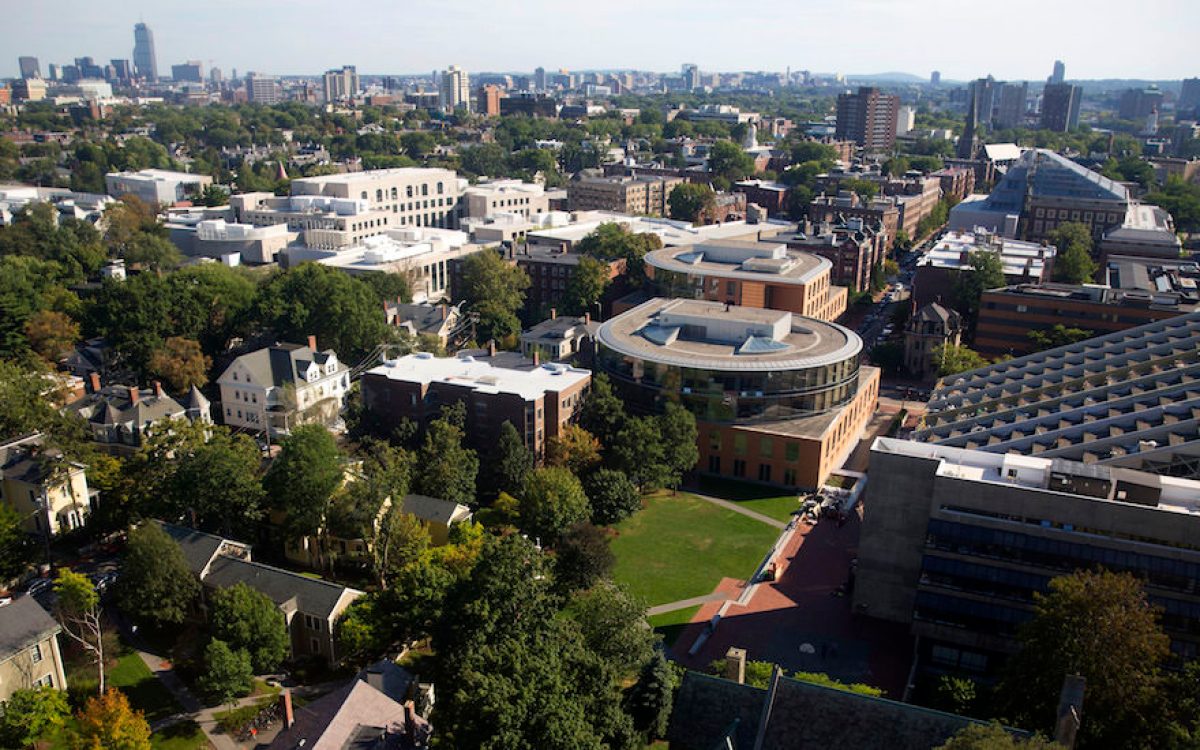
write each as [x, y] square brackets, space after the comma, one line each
[853, 247]
[340, 85]
[868, 118]
[638, 195]
[492, 197]
[415, 196]
[539, 400]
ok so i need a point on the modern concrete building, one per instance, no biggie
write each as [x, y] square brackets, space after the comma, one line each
[262, 89]
[29, 90]
[29, 653]
[157, 186]
[539, 400]
[956, 542]
[191, 71]
[340, 85]
[928, 329]
[145, 61]
[1125, 399]
[939, 268]
[229, 242]
[1136, 291]
[455, 91]
[778, 398]
[29, 67]
[1060, 106]
[638, 195]
[491, 197]
[868, 118]
[416, 196]
[748, 274]
[323, 222]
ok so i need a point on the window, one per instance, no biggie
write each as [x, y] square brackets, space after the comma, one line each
[791, 452]
[766, 447]
[739, 467]
[364, 195]
[789, 477]
[47, 681]
[425, 191]
[714, 440]
[764, 472]
[714, 464]
[35, 653]
[315, 646]
[739, 444]
[440, 188]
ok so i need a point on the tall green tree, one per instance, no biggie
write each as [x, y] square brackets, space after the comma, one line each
[680, 453]
[649, 700]
[689, 199]
[17, 548]
[613, 625]
[495, 290]
[551, 501]
[986, 272]
[1057, 335]
[603, 413]
[1073, 262]
[586, 286]
[445, 468]
[728, 161]
[954, 359]
[1101, 626]
[228, 674]
[302, 480]
[613, 497]
[612, 241]
[511, 461]
[156, 584]
[248, 620]
[582, 558]
[32, 714]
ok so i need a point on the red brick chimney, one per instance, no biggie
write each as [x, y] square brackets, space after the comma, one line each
[410, 722]
[553, 313]
[94, 377]
[158, 389]
[444, 311]
[285, 704]
[312, 343]
[134, 394]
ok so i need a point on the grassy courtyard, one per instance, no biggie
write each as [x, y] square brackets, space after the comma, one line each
[680, 546]
[756, 497]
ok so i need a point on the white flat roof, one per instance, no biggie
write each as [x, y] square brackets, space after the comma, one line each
[482, 376]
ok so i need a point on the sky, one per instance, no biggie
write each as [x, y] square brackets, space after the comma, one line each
[1012, 40]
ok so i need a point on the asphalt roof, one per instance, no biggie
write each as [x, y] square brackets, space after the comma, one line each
[198, 547]
[432, 508]
[23, 622]
[309, 595]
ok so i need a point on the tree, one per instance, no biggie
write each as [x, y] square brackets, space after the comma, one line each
[613, 625]
[640, 452]
[214, 195]
[649, 700]
[211, 303]
[551, 501]
[603, 413]
[181, 363]
[582, 558]
[303, 478]
[79, 613]
[52, 335]
[612, 495]
[955, 359]
[446, 469]
[247, 620]
[1058, 335]
[728, 161]
[156, 582]
[511, 461]
[228, 674]
[994, 737]
[495, 290]
[485, 160]
[575, 448]
[107, 722]
[956, 695]
[27, 397]
[689, 199]
[1098, 625]
[401, 541]
[314, 299]
[986, 272]
[31, 714]
[151, 251]
[586, 286]
[1073, 263]
[677, 426]
[17, 548]
[611, 241]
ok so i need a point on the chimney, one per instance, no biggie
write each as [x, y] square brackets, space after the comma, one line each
[158, 389]
[95, 378]
[312, 343]
[443, 309]
[553, 313]
[537, 358]
[1070, 708]
[735, 664]
[491, 349]
[587, 318]
[375, 679]
[410, 723]
[285, 705]
[134, 394]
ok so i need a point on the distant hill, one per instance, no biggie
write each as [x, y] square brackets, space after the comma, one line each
[894, 76]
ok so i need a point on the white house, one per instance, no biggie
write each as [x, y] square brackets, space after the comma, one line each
[282, 386]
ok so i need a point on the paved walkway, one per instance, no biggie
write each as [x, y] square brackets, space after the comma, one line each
[736, 508]
[662, 609]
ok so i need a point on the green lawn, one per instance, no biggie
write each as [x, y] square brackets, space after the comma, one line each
[670, 624]
[680, 546]
[756, 497]
[186, 735]
[143, 689]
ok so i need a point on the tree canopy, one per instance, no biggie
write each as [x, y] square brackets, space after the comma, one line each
[495, 290]
[1073, 263]
[248, 620]
[156, 583]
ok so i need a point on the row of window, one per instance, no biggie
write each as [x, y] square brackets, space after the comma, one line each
[409, 190]
[739, 470]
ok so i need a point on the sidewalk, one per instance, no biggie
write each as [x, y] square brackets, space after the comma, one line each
[736, 508]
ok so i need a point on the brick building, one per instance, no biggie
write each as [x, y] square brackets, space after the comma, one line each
[638, 194]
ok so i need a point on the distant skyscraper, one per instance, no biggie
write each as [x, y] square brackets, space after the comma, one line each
[215, 76]
[341, 84]
[982, 99]
[539, 79]
[1009, 105]
[261, 89]
[1060, 106]
[122, 70]
[29, 67]
[1189, 96]
[54, 71]
[144, 60]
[935, 78]
[868, 118]
[1060, 72]
[456, 89]
[191, 71]
[691, 76]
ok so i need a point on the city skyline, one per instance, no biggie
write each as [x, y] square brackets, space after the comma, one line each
[276, 38]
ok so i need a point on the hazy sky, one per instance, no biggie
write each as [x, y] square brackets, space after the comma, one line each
[1014, 39]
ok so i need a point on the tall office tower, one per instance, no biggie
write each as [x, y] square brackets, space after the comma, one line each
[983, 93]
[868, 118]
[88, 68]
[29, 67]
[261, 89]
[1009, 105]
[1060, 106]
[935, 78]
[144, 60]
[1189, 97]
[191, 71]
[216, 77]
[456, 89]
[122, 70]
[341, 84]
[54, 71]
[539, 79]
[691, 76]
[1060, 72]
